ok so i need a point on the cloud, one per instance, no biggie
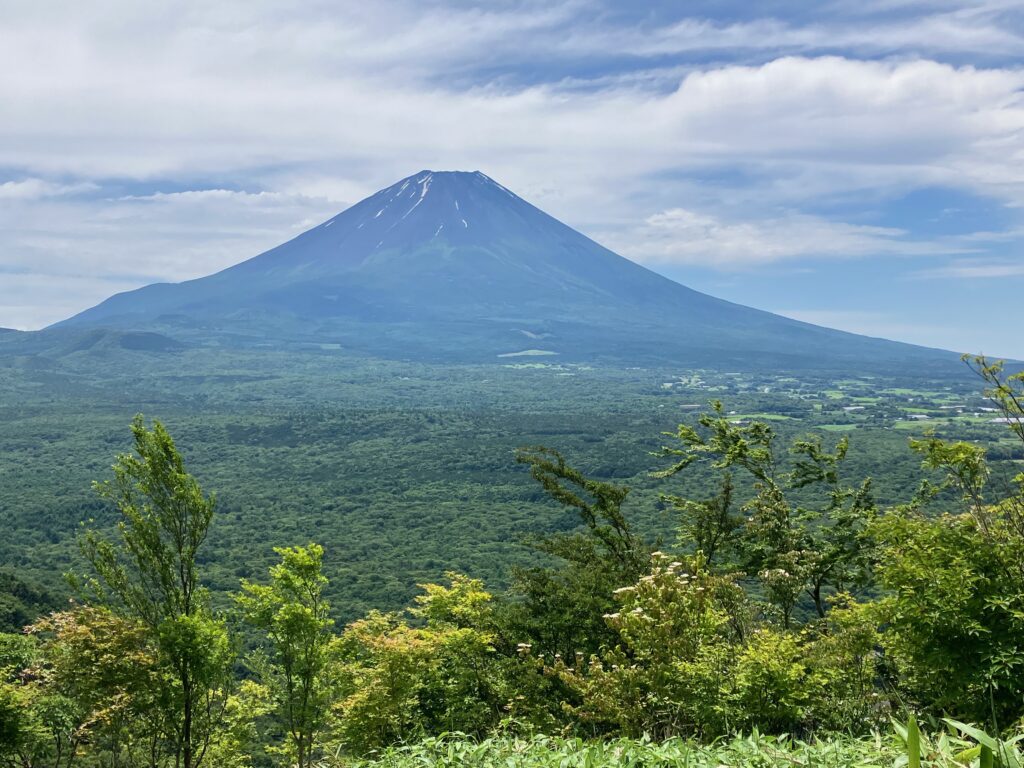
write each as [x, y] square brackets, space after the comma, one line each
[31, 300]
[960, 30]
[975, 270]
[274, 91]
[60, 256]
[878, 324]
[36, 189]
[680, 236]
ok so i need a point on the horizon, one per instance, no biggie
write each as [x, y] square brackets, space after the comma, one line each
[691, 141]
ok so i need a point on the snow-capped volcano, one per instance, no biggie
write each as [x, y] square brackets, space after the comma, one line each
[447, 263]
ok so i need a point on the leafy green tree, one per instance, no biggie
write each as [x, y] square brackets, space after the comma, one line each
[383, 668]
[150, 576]
[965, 464]
[293, 613]
[844, 652]
[68, 690]
[952, 612]
[468, 687]
[955, 582]
[561, 607]
[17, 652]
[399, 680]
[675, 651]
[712, 526]
[238, 739]
[794, 549]
[774, 687]
[1006, 391]
[94, 680]
[22, 734]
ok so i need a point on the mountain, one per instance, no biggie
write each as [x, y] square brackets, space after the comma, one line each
[454, 266]
[63, 342]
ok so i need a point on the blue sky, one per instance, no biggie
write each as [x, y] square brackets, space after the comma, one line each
[855, 164]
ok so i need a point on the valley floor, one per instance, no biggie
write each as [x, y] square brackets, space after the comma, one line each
[402, 470]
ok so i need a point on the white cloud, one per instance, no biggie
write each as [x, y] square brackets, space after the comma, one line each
[975, 270]
[681, 236]
[270, 91]
[32, 300]
[958, 30]
[36, 189]
[878, 324]
[60, 256]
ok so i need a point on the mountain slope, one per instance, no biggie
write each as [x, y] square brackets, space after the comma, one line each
[453, 265]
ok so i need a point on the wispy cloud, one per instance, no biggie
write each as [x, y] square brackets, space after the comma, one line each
[36, 189]
[975, 270]
[941, 31]
[59, 255]
[879, 324]
[680, 236]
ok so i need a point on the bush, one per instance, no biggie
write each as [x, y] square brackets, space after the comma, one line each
[775, 687]
[677, 650]
[400, 680]
[953, 615]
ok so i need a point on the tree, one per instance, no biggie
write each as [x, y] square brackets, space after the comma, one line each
[467, 688]
[1006, 391]
[953, 613]
[675, 651]
[398, 680]
[954, 606]
[562, 606]
[793, 549]
[93, 685]
[711, 526]
[295, 616]
[150, 576]
[23, 735]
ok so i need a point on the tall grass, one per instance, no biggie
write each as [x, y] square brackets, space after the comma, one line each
[956, 745]
[549, 752]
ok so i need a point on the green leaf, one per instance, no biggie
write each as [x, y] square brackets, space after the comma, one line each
[913, 744]
[975, 733]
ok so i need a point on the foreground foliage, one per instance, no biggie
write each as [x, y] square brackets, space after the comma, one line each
[954, 746]
[546, 751]
[791, 603]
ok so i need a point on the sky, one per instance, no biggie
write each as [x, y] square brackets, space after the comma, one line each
[854, 164]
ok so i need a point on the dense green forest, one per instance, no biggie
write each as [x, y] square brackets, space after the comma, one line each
[403, 470]
[759, 582]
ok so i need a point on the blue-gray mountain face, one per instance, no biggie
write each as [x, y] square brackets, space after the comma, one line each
[453, 266]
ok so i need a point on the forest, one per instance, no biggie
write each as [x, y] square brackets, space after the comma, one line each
[404, 471]
[790, 614]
